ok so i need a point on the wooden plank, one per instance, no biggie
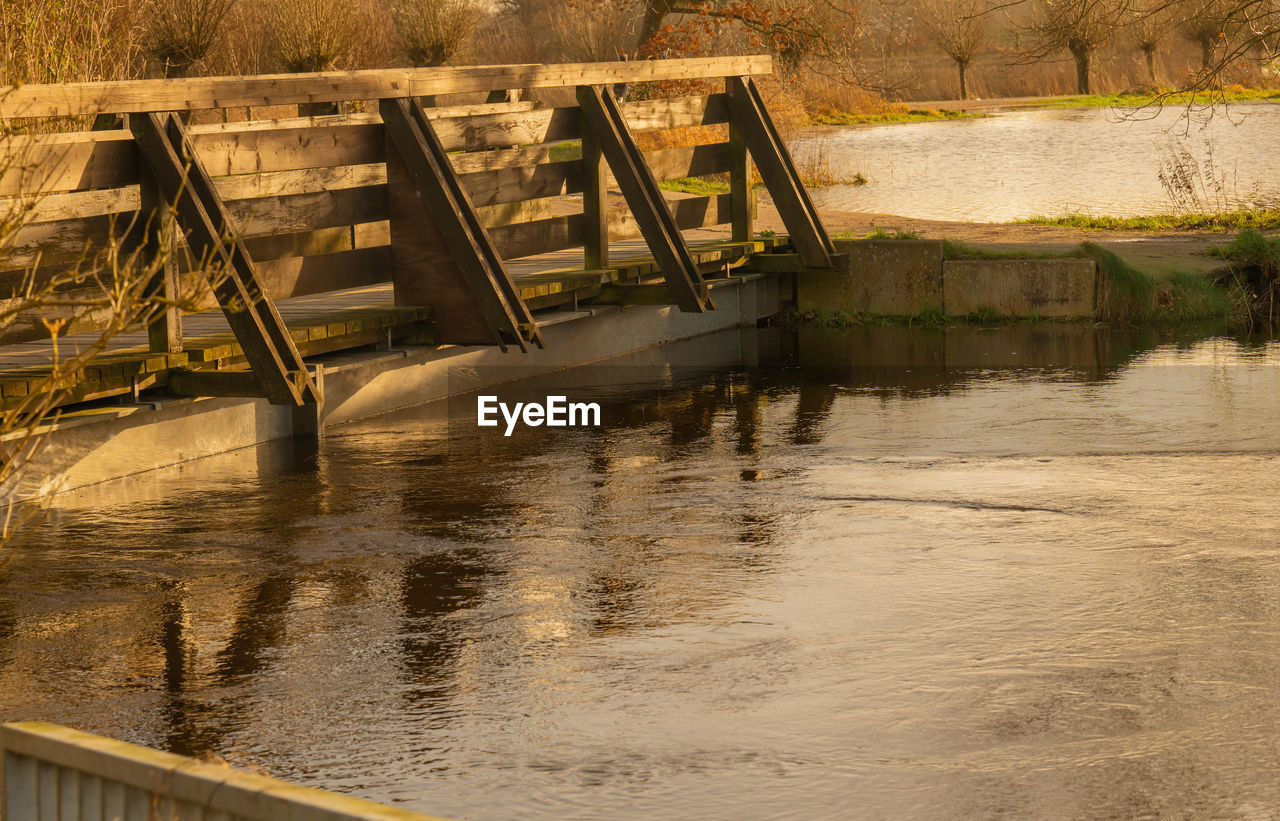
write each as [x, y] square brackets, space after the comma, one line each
[301, 181]
[251, 150]
[510, 213]
[601, 114]
[323, 241]
[334, 86]
[411, 138]
[779, 173]
[65, 162]
[595, 202]
[184, 382]
[68, 161]
[570, 177]
[39, 208]
[517, 184]
[740, 179]
[63, 242]
[304, 212]
[494, 160]
[783, 264]
[528, 239]
[330, 141]
[299, 276]
[249, 311]
[156, 233]
[487, 182]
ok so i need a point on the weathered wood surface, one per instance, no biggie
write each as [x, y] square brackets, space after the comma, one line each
[106, 159]
[311, 197]
[779, 174]
[334, 86]
[182, 180]
[487, 287]
[601, 114]
[54, 773]
[341, 319]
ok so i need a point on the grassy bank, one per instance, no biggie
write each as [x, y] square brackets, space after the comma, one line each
[1257, 220]
[905, 115]
[1164, 97]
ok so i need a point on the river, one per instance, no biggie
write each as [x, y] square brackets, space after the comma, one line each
[1022, 164]
[877, 573]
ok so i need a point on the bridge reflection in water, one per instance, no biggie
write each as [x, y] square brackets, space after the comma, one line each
[925, 568]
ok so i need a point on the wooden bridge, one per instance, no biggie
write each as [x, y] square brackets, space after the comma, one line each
[332, 211]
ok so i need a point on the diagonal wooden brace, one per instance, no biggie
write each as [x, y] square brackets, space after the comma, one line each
[450, 207]
[779, 174]
[603, 117]
[182, 180]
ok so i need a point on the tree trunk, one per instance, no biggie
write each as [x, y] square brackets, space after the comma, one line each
[655, 11]
[1206, 52]
[1084, 56]
[964, 79]
[1151, 64]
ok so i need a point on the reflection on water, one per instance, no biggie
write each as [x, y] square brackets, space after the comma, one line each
[883, 572]
[1028, 163]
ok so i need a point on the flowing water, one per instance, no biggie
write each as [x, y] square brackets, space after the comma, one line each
[1054, 163]
[880, 573]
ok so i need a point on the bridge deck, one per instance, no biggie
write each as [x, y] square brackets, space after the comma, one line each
[337, 320]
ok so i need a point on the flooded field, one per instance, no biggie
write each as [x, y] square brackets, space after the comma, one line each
[1057, 162]
[882, 572]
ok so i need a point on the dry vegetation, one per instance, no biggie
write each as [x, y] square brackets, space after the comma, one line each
[832, 55]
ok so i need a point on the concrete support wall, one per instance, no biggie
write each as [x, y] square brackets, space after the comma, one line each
[1020, 287]
[908, 277]
[95, 446]
[891, 277]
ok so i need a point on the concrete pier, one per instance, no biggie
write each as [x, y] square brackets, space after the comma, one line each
[110, 442]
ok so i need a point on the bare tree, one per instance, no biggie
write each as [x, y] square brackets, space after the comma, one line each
[432, 31]
[180, 33]
[1079, 26]
[595, 30]
[320, 35]
[1149, 23]
[1246, 31]
[959, 28]
[1206, 23]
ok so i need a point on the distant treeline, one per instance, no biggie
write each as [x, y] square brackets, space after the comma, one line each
[837, 53]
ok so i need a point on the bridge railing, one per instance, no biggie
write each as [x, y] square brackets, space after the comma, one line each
[309, 194]
[52, 773]
[289, 202]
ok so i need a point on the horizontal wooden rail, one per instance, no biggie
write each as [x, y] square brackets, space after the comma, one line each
[82, 99]
[309, 198]
[54, 773]
[103, 159]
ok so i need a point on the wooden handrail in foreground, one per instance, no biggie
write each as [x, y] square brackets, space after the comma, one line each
[189, 94]
[52, 772]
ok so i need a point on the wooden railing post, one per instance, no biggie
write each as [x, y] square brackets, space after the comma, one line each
[595, 203]
[777, 170]
[741, 210]
[167, 152]
[164, 331]
[603, 119]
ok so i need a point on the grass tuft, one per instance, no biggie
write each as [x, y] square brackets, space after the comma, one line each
[1125, 294]
[907, 115]
[879, 233]
[1257, 220]
[954, 249]
[696, 185]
